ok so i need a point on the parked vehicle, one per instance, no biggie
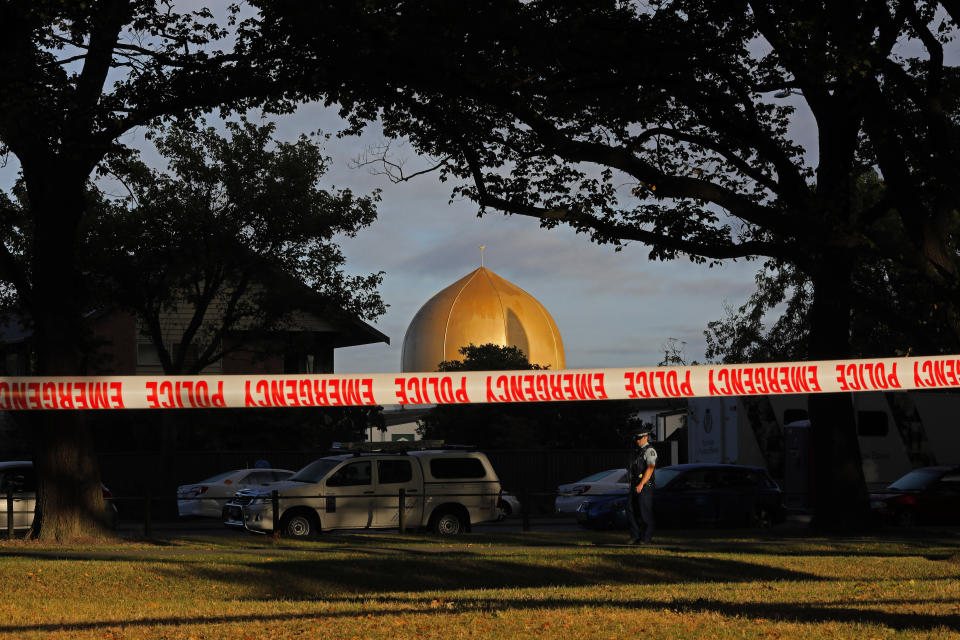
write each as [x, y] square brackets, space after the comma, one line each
[571, 496]
[446, 491]
[697, 494]
[928, 495]
[508, 505]
[773, 431]
[207, 497]
[19, 475]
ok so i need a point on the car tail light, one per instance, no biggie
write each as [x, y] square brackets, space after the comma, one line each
[582, 489]
[904, 500]
[225, 482]
[202, 489]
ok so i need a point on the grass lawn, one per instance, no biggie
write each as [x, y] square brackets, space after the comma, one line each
[700, 584]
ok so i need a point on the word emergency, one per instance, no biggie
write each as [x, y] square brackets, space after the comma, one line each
[463, 387]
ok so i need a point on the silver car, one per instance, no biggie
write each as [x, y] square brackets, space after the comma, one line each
[19, 475]
[207, 497]
[609, 482]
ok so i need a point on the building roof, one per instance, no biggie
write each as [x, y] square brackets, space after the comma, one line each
[481, 308]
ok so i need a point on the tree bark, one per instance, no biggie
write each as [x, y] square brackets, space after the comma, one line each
[838, 492]
[70, 501]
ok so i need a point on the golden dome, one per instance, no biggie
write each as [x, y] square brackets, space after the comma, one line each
[481, 308]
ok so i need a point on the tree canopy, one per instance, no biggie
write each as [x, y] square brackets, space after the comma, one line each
[669, 124]
[76, 77]
[238, 234]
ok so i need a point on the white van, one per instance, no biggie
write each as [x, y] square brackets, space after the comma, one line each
[446, 492]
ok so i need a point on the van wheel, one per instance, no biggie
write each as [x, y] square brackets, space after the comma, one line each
[299, 524]
[448, 523]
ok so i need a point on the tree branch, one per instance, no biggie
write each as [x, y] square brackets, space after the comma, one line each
[393, 170]
[613, 230]
[668, 186]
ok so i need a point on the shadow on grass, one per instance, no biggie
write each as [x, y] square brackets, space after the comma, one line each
[304, 579]
[740, 543]
[919, 543]
[780, 612]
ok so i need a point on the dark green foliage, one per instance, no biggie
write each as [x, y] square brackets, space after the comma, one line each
[489, 357]
[237, 233]
[892, 312]
[555, 425]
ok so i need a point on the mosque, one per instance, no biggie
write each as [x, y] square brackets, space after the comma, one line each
[479, 308]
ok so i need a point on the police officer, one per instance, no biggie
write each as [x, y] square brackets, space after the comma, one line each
[643, 460]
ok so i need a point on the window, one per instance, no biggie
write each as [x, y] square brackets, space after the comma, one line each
[872, 423]
[603, 474]
[949, 484]
[394, 471]
[22, 479]
[147, 355]
[258, 477]
[449, 468]
[739, 478]
[315, 471]
[354, 474]
[916, 480]
[663, 477]
[698, 479]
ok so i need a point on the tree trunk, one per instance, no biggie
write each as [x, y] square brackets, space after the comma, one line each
[70, 501]
[839, 493]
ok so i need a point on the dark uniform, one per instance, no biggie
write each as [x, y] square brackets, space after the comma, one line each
[640, 505]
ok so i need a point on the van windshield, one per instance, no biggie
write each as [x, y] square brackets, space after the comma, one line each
[315, 471]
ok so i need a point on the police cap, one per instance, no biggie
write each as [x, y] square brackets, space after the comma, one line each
[642, 431]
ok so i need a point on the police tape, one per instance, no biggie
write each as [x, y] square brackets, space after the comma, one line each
[465, 387]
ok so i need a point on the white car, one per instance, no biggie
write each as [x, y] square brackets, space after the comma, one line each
[609, 482]
[20, 476]
[207, 497]
[508, 505]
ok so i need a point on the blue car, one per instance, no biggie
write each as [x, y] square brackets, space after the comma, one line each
[690, 495]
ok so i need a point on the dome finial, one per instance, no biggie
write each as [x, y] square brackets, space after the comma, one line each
[482, 247]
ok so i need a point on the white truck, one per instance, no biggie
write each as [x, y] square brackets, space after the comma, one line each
[446, 491]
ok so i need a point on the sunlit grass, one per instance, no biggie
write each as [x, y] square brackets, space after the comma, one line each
[551, 585]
